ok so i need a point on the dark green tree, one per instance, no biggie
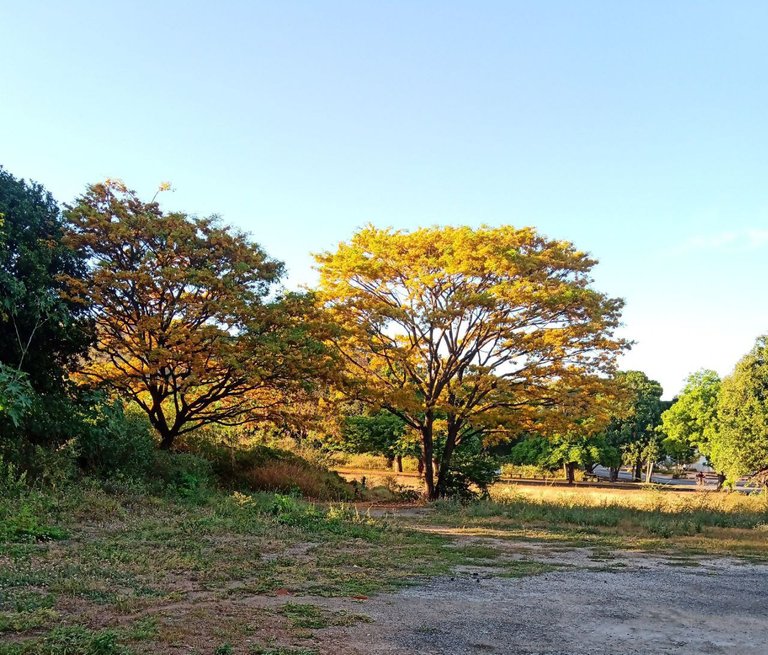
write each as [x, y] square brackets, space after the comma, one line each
[382, 433]
[43, 333]
[740, 444]
[633, 430]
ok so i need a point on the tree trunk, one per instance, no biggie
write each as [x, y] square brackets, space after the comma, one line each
[614, 473]
[638, 472]
[167, 435]
[445, 459]
[166, 441]
[399, 460]
[570, 472]
[649, 471]
[390, 461]
[429, 470]
[421, 466]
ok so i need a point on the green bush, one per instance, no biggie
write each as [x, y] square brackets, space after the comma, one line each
[118, 441]
[188, 476]
[262, 468]
[471, 472]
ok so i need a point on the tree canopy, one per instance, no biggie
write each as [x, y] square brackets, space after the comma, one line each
[739, 446]
[632, 431]
[475, 327]
[43, 333]
[692, 420]
[185, 320]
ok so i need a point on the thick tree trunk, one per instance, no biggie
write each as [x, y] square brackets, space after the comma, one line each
[399, 460]
[390, 461]
[166, 441]
[614, 473]
[638, 472]
[421, 465]
[167, 435]
[445, 459]
[427, 443]
[570, 472]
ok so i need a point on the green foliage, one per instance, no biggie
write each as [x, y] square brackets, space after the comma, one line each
[632, 429]
[382, 433]
[740, 446]
[15, 394]
[42, 332]
[583, 451]
[187, 476]
[24, 524]
[691, 423]
[471, 471]
[116, 442]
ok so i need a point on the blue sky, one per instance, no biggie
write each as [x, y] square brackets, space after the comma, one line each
[636, 130]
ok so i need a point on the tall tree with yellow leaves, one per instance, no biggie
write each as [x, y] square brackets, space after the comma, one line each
[186, 320]
[468, 329]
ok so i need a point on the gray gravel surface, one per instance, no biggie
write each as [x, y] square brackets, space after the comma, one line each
[637, 606]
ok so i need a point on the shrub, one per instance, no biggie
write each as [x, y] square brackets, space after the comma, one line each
[471, 472]
[117, 441]
[261, 468]
[183, 474]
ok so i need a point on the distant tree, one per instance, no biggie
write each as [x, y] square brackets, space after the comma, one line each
[187, 326]
[43, 333]
[381, 433]
[690, 425]
[477, 327]
[740, 444]
[569, 452]
[633, 430]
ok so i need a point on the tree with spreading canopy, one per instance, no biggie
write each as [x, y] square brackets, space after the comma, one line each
[690, 425]
[739, 446]
[477, 327]
[187, 323]
[633, 429]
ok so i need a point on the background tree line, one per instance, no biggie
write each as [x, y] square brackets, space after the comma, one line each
[443, 343]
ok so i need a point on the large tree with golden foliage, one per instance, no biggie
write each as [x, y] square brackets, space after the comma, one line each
[186, 322]
[468, 329]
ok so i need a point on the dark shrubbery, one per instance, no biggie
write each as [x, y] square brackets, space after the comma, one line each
[116, 442]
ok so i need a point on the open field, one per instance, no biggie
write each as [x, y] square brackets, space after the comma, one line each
[539, 571]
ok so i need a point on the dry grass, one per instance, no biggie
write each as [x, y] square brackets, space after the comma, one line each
[703, 523]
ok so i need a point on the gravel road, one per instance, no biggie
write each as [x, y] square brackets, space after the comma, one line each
[632, 606]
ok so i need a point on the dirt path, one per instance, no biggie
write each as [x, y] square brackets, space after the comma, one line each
[633, 605]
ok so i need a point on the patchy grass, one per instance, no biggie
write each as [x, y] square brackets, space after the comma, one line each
[130, 572]
[693, 523]
[133, 573]
[523, 568]
[307, 615]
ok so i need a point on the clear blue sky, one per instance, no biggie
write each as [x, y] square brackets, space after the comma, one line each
[638, 130]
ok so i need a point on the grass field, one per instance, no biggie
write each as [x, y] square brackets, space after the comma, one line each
[83, 571]
[700, 523]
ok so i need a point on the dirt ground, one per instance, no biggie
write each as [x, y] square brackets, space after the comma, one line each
[628, 604]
